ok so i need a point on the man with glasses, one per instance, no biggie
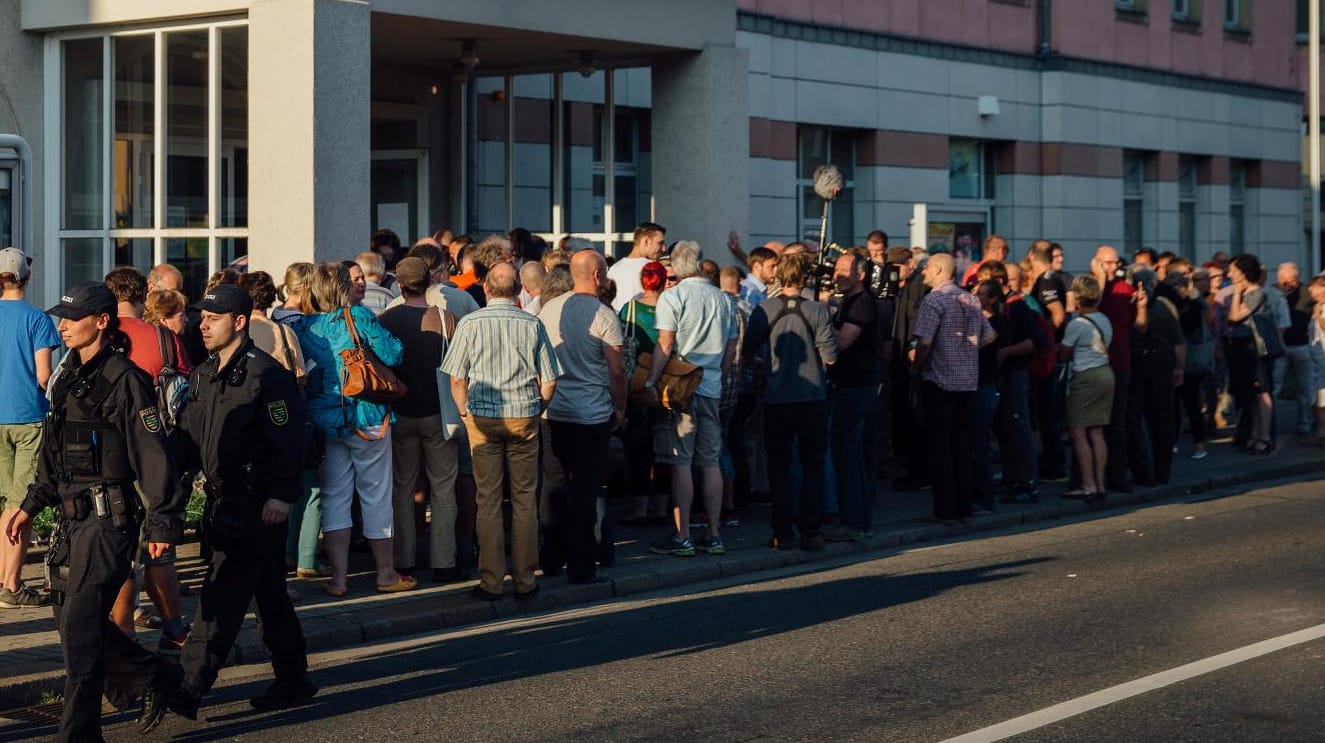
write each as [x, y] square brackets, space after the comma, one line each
[1126, 310]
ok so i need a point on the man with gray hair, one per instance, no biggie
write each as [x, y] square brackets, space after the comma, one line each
[1296, 360]
[695, 322]
[376, 297]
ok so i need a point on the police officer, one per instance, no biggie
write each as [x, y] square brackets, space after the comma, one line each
[244, 424]
[103, 433]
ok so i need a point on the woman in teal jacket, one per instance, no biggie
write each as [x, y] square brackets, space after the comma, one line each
[358, 433]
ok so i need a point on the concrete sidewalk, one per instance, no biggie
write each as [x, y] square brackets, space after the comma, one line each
[30, 661]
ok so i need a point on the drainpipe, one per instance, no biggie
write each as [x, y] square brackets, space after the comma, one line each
[1046, 28]
[24, 210]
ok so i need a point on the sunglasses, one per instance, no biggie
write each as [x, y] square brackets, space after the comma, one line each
[671, 279]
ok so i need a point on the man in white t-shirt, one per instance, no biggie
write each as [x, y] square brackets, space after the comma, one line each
[589, 404]
[649, 244]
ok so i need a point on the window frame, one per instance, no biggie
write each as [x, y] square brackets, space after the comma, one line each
[1188, 187]
[1134, 197]
[1237, 207]
[985, 177]
[107, 233]
[808, 225]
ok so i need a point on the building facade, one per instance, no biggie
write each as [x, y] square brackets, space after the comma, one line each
[201, 132]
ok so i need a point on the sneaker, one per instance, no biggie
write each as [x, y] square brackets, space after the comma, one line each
[143, 619]
[711, 545]
[675, 545]
[1199, 454]
[841, 533]
[26, 597]
[173, 645]
[731, 519]
[285, 693]
[699, 520]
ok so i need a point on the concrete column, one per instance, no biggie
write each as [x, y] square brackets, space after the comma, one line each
[309, 93]
[701, 148]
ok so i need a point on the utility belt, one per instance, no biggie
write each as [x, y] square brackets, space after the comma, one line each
[232, 508]
[106, 500]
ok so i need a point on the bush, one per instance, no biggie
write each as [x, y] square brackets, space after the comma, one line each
[43, 524]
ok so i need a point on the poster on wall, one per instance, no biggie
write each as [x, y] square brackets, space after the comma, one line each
[962, 240]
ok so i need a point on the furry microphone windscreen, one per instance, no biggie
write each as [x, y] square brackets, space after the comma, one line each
[827, 181]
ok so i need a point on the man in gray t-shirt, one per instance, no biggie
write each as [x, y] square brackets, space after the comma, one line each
[795, 339]
[589, 404]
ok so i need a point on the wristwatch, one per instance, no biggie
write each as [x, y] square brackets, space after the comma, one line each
[649, 385]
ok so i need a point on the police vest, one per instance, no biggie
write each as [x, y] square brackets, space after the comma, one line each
[93, 449]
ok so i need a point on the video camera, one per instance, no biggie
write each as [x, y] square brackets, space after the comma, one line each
[881, 281]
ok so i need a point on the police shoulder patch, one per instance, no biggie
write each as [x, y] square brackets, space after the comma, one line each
[278, 412]
[151, 421]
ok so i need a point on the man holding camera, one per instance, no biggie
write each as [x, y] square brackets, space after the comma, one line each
[855, 379]
[243, 423]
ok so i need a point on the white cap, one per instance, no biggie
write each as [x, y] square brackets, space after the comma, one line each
[12, 260]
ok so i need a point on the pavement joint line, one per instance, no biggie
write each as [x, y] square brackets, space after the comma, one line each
[1104, 697]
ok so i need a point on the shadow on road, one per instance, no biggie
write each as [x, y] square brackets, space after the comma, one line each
[662, 631]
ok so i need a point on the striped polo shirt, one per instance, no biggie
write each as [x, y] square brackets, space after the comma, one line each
[503, 351]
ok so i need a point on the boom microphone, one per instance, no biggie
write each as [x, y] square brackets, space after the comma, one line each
[827, 181]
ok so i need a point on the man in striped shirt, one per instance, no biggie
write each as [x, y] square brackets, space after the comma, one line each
[503, 374]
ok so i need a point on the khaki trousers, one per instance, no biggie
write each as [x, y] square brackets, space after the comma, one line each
[499, 446]
[417, 445]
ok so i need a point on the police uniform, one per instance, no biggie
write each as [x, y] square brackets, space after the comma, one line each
[101, 435]
[243, 423]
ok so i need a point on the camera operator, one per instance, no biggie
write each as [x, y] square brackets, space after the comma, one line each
[855, 379]
[885, 284]
[905, 389]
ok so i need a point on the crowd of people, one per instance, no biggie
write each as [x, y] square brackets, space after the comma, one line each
[549, 378]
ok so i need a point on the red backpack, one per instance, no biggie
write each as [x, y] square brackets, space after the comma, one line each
[1040, 364]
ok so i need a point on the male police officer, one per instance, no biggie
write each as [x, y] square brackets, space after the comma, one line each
[103, 433]
[244, 422]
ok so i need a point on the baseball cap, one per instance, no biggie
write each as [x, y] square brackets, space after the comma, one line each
[81, 300]
[413, 273]
[12, 260]
[226, 298]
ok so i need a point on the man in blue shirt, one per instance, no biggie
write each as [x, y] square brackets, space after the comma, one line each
[27, 336]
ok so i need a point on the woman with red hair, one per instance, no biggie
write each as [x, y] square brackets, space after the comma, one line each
[648, 503]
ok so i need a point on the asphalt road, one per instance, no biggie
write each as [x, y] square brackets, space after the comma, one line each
[918, 645]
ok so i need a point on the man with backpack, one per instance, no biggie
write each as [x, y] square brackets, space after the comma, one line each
[158, 352]
[793, 338]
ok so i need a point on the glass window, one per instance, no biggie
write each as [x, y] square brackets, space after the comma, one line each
[234, 253]
[136, 252]
[186, 129]
[1187, 207]
[135, 69]
[82, 260]
[819, 145]
[584, 185]
[83, 128]
[190, 257]
[395, 197]
[1237, 208]
[533, 147]
[966, 166]
[488, 152]
[1134, 179]
[234, 127]
[6, 206]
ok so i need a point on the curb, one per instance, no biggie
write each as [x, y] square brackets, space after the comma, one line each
[456, 609]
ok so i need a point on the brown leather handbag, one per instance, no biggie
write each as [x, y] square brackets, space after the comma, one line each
[676, 385]
[363, 375]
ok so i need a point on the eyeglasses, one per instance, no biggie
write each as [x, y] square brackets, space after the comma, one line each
[671, 279]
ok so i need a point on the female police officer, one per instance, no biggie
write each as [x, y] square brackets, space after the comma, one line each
[103, 434]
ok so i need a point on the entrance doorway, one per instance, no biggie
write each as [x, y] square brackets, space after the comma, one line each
[399, 193]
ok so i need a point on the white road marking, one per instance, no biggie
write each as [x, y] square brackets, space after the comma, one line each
[1105, 697]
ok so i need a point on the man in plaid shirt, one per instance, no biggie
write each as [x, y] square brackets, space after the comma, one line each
[950, 330]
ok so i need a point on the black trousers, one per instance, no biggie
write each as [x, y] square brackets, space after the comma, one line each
[1049, 402]
[807, 424]
[581, 452]
[948, 420]
[906, 421]
[1151, 423]
[238, 575]
[98, 657]
[1115, 434]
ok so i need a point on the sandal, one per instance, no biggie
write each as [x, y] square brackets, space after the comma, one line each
[1260, 447]
[405, 583]
[1081, 494]
[337, 593]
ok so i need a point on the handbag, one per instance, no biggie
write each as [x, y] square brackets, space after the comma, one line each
[677, 384]
[1265, 334]
[363, 376]
[450, 412]
[630, 346]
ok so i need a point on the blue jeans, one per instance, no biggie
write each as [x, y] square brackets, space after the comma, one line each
[855, 454]
[1016, 435]
[305, 524]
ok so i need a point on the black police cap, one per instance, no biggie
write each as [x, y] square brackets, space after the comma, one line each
[81, 300]
[226, 298]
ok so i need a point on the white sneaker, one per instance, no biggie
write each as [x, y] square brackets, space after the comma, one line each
[1199, 454]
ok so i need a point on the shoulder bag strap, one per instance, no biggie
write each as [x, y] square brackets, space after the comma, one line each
[354, 332]
[167, 346]
[1098, 329]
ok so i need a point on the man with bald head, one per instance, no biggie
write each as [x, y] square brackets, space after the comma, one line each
[503, 375]
[1127, 310]
[950, 330]
[590, 404]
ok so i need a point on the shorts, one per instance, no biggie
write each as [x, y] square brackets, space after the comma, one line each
[20, 444]
[167, 558]
[693, 437]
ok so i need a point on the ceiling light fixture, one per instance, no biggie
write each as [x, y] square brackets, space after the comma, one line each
[469, 54]
[586, 65]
